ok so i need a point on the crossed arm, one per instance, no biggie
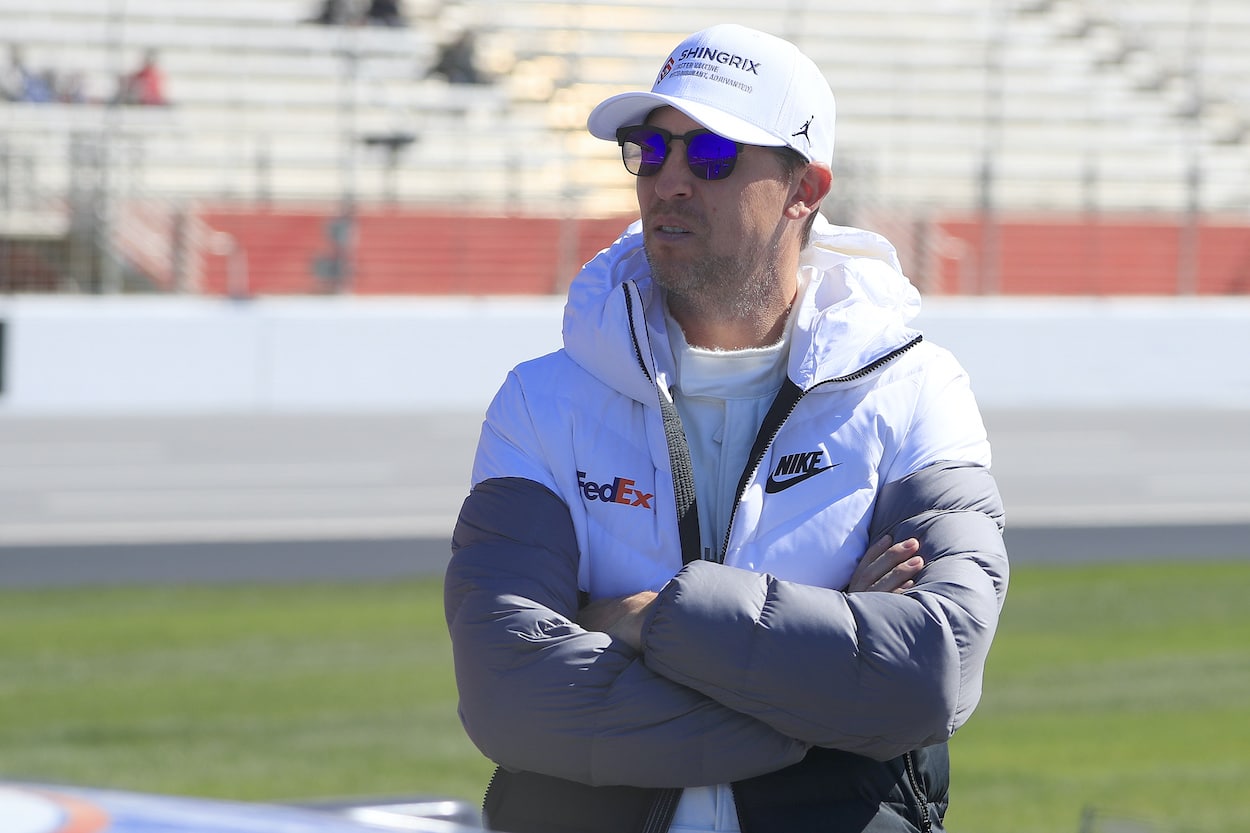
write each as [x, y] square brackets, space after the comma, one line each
[886, 567]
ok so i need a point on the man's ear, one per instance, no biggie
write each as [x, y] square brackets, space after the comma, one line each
[812, 187]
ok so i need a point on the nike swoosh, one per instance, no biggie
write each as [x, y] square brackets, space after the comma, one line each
[772, 487]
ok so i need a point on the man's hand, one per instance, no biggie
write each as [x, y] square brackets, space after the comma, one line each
[887, 567]
[619, 618]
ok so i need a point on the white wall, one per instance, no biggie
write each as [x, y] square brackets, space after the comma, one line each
[148, 355]
[1099, 353]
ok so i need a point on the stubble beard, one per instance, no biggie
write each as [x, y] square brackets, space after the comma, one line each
[719, 287]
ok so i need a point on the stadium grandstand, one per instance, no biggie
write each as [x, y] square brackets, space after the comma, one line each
[1007, 147]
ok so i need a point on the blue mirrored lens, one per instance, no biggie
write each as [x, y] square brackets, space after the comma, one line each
[711, 156]
[652, 150]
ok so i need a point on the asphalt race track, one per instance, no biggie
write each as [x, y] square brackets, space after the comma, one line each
[372, 497]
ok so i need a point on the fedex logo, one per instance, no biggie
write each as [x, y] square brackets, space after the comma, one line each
[621, 490]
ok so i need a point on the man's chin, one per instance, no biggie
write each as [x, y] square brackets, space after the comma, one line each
[668, 260]
[667, 274]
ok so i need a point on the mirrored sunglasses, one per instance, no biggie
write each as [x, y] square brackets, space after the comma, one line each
[644, 149]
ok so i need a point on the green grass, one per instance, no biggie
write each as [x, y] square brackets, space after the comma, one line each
[1122, 687]
[252, 693]
[1125, 688]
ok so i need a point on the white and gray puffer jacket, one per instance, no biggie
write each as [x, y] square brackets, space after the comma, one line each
[755, 656]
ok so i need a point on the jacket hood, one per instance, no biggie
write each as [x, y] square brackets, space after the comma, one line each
[855, 308]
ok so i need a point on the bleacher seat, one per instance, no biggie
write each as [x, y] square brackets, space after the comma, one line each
[1070, 100]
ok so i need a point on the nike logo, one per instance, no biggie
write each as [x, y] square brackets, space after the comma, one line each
[793, 469]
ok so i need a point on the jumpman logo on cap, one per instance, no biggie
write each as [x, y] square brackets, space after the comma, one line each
[802, 131]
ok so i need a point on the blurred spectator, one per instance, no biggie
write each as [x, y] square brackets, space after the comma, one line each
[336, 13]
[384, 13]
[146, 85]
[20, 83]
[457, 60]
[71, 88]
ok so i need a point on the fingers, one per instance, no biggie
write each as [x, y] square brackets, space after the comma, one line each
[620, 618]
[887, 567]
[877, 549]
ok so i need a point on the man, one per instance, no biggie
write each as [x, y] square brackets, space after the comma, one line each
[20, 83]
[146, 85]
[656, 595]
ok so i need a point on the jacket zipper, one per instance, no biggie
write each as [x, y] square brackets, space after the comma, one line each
[633, 332]
[922, 799]
[753, 465]
[494, 776]
[664, 807]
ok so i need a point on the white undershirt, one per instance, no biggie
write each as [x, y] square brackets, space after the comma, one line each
[722, 397]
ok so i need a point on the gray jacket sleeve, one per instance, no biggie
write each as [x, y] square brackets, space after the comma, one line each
[537, 692]
[872, 673]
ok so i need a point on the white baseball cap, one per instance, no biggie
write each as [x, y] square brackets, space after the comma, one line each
[744, 84]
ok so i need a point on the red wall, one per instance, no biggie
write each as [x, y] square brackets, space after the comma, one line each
[1080, 256]
[429, 252]
[410, 252]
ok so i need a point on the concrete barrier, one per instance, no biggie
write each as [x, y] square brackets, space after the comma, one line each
[77, 355]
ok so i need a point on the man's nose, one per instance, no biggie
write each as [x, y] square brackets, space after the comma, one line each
[674, 179]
